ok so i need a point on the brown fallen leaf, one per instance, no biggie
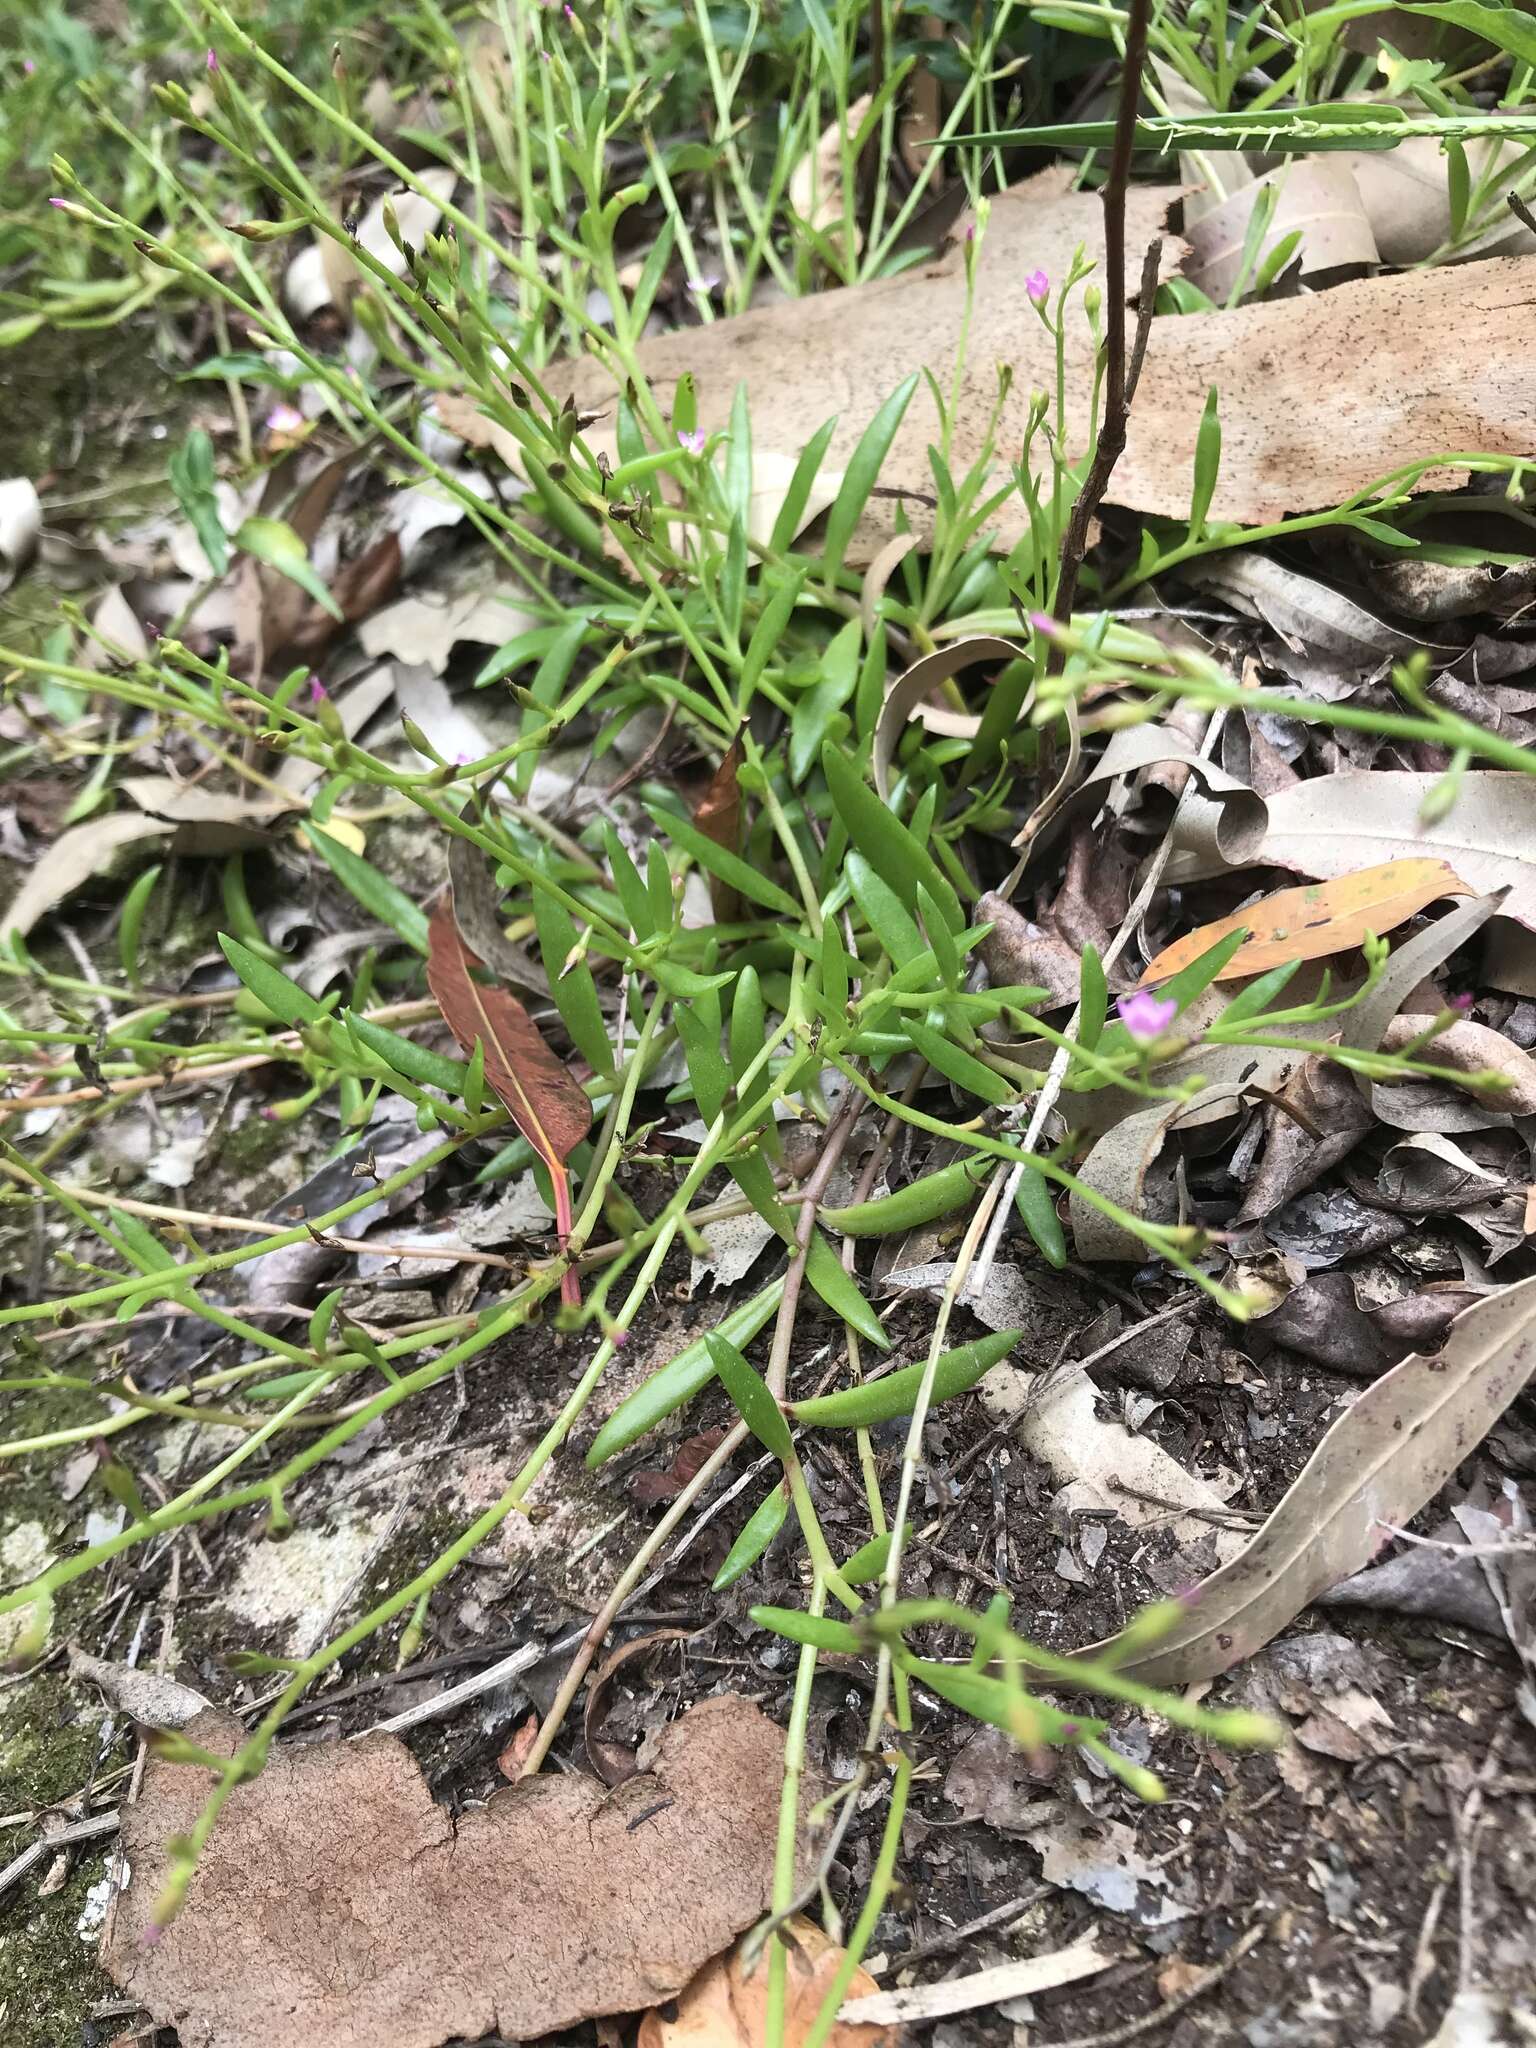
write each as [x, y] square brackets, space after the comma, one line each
[726, 2005]
[1470, 1049]
[358, 588]
[614, 1762]
[477, 913]
[146, 1696]
[908, 696]
[1377, 1466]
[336, 1903]
[544, 1101]
[1335, 824]
[718, 816]
[844, 352]
[1315, 197]
[511, 1760]
[1313, 1122]
[1312, 922]
[1296, 436]
[1308, 615]
[78, 854]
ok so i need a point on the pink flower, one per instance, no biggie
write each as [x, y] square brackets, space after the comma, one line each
[213, 60]
[1044, 623]
[701, 287]
[285, 419]
[317, 690]
[58, 202]
[1460, 1004]
[1038, 285]
[28, 67]
[1147, 1016]
[693, 442]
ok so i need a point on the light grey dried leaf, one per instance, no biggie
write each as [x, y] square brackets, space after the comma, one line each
[148, 1697]
[74, 857]
[1377, 1466]
[1336, 824]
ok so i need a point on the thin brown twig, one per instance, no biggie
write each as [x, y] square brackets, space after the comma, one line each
[1119, 374]
[1112, 2037]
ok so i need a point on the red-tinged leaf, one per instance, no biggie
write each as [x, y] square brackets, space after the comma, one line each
[718, 817]
[544, 1101]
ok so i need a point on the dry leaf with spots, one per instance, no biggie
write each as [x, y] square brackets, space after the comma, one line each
[1313, 922]
[543, 1099]
[1336, 824]
[336, 1903]
[726, 2004]
[1296, 437]
[1382, 1461]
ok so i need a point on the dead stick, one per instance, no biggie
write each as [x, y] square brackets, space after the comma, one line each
[1119, 378]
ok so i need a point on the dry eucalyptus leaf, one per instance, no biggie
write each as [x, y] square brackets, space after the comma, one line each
[1473, 1049]
[1378, 1465]
[1332, 824]
[120, 626]
[1316, 1119]
[336, 1903]
[1099, 1858]
[1220, 814]
[726, 2005]
[1100, 1459]
[74, 857]
[1451, 590]
[424, 629]
[1315, 196]
[1406, 195]
[1127, 1165]
[185, 803]
[816, 183]
[1296, 434]
[147, 1696]
[1317, 920]
[908, 696]
[1308, 615]
[324, 273]
[845, 352]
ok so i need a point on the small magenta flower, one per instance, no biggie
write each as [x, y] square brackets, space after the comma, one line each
[317, 691]
[213, 60]
[693, 442]
[701, 287]
[28, 67]
[1044, 623]
[1147, 1016]
[64, 203]
[618, 1337]
[1038, 285]
[1460, 1004]
[285, 419]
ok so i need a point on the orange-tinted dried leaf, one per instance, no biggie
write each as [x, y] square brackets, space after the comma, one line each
[718, 817]
[1321, 918]
[726, 2005]
[544, 1101]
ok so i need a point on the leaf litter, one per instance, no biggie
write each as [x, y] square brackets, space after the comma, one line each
[1140, 1468]
[338, 1901]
